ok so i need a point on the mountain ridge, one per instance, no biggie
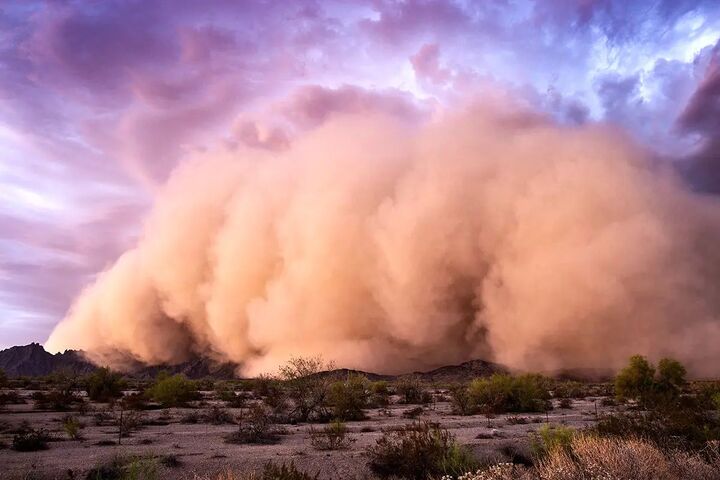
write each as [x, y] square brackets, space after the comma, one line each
[33, 360]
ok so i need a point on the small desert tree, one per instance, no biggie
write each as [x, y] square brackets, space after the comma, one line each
[103, 385]
[636, 381]
[350, 397]
[306, 387]
[670, 375]
[640, 381]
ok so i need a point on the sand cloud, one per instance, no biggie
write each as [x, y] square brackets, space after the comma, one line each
[391, 246]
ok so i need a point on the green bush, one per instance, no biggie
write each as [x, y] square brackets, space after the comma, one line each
[418, 452]
[349, 398]
[639, 381]
[72, 427]
[173, 391]
[126, 468]
[671, 375]
[503, 393]
[104, 385]
[549, 438]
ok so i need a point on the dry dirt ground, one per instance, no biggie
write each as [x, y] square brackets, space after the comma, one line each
[202, 452]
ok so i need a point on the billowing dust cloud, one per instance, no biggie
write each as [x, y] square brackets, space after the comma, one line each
[393, 248]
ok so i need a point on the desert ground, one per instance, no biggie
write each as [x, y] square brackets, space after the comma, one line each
[182, 450]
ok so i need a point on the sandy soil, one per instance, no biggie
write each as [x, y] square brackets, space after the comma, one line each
[202, 451]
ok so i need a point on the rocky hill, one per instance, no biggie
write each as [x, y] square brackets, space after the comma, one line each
[32, 360]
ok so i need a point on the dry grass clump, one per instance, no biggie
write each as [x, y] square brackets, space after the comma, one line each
[631, 459]
[590, 457]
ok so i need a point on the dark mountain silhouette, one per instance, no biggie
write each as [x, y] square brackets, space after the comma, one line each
[32, 360]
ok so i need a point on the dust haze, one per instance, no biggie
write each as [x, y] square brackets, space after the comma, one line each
[488, 233]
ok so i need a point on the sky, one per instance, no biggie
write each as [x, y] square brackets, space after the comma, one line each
[99, 101]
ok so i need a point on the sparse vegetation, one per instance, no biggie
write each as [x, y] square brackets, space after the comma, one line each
[503, 393]
[255, 426]
[104, 385]
[173, 391]
[333, 436]
[588, 457]
[419, 451]
[126, 468]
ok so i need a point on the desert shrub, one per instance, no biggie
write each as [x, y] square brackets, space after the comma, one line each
[569, 389]
[565, 403]
[30, 440]
[173, 391]
[218, 416]
[548, 438]
[306, 388]
[10, 397]
[266, 386]
[379, 394]
[410, 389]
[333, 436]
[272, 471]
[55, 400]
[255, 426]
[225, 392]
[349, 398]
[502, 393]
[125, 468]
[128, 421]
[103, 385]
[716, 401]
[205, 384]
[670, 375]
[418, 451]
[191, 418]
[135, 401]
[72, 427]
[461, 401]
[3, 378]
